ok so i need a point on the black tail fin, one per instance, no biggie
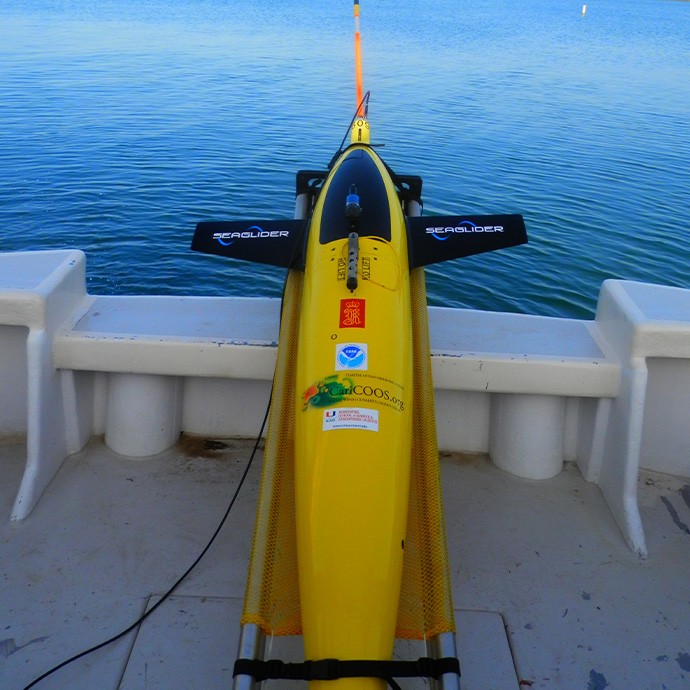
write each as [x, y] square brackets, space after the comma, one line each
[440, 238]
[274, 242]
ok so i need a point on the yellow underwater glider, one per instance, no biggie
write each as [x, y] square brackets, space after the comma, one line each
[349, 545]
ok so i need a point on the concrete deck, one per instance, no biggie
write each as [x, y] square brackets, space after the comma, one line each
[549, 595]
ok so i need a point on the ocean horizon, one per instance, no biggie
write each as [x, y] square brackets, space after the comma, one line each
[124, 123]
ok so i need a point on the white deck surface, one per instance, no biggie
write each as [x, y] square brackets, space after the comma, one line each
[545, 558]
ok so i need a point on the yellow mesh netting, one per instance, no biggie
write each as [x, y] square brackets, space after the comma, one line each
[426, 604]
[271, 598]
[272, 593]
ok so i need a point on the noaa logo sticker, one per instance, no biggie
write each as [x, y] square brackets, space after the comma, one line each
[351, 356]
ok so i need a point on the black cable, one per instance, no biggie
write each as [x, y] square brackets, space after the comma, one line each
[144, 616]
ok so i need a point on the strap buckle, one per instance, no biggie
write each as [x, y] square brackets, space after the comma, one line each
[321, 669]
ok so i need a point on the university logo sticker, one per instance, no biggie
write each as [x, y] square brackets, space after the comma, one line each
[351, 418]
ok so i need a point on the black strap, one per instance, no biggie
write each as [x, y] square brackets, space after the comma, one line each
[332, 669]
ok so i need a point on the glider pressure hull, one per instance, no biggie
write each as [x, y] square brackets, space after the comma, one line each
[353, 420]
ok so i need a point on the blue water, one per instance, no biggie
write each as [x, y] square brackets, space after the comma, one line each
[123, 122]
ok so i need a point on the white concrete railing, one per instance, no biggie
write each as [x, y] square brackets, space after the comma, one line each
[532, 391]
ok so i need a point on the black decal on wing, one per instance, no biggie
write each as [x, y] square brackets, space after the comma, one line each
[440, 238]
[274, 242]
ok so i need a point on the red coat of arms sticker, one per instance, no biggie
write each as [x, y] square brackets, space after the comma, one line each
[352, 313]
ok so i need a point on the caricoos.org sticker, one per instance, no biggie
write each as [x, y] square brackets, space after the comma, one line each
[353, 389]
[351, 356]
[351, 418]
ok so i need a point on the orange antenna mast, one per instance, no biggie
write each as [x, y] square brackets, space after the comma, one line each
[361, 112]
[360, 127]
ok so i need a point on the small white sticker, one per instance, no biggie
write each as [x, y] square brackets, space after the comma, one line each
[350, 418]
[351, 356]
